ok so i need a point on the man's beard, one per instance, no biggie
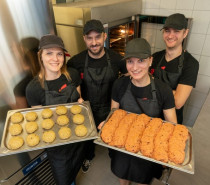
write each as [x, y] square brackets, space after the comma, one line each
[96, 53]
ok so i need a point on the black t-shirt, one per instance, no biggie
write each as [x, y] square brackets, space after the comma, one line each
[118, 65]
[189, 71]
[163, 91]
[35, 94]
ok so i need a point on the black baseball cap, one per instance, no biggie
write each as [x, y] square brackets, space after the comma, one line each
[176, 21]
[51, 41]
[138, 48]
[93, 24]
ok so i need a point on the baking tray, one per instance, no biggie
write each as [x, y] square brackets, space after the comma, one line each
[187, 166]
[89, 123]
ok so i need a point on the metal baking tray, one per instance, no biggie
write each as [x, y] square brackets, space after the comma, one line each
[187, 166]
[89, 123]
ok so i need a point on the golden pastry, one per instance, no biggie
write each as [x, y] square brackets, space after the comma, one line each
[47, 123]
[47, 113]
[15, 142]
[15, 129]
[81, 130]
[32, 139]
[31, 116]
[31, 127]
[62, 120]
[61, 110]
[17, 117]
[64, 132]
[78, 118]
[76, 109]
[48, 136]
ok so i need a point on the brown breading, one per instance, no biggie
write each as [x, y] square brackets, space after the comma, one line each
[160, 152]
[135, 133]
[110, 126]
[121, 133]
[147, 140]
[177, 144]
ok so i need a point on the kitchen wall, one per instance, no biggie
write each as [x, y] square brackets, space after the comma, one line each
[198, 43]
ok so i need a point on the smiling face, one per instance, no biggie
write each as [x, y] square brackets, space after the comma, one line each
[53, 59]
[95, 43]
[174, 38]
[138, 68]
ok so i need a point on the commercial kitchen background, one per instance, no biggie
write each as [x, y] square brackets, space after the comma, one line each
[198, 106]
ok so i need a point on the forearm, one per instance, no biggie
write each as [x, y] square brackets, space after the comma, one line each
[181, 95]
[170, 115]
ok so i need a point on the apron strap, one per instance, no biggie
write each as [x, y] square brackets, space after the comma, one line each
[181, 59]
[153, 91]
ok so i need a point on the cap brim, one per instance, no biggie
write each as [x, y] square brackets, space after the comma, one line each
[140, 55]
[53, 46]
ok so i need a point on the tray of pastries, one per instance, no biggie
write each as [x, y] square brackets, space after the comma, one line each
[149, 138]
[47, 126]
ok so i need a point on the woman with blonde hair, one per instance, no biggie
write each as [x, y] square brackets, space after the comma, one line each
[55, 84]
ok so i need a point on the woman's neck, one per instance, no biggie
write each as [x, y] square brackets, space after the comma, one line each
[141, 82]
[52, 75]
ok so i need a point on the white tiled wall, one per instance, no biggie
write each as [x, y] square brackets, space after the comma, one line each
[198, 43]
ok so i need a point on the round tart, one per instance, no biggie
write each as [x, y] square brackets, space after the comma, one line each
[15, 129]
[61, 110]
[78, 118]
[48, 136]
[17, 117]
[31, 116]
[81, 130]
[76, 109]
[32, 140]
[64, 132]
[62, 120]
[31, 127]
[15, 142]
[47, 113]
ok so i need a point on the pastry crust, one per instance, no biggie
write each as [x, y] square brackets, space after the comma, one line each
[15, 142]
[48, 136]
[32, 140]
[47, 113]
[31, 127]
[31, 116]
[15, 129]
[64, 132]
[109, 128]
[47, 123]
[122, 130]
[62, 120]
[61, 110]
[75, 109]
[78, 119]
[81, 130]
[17, 117]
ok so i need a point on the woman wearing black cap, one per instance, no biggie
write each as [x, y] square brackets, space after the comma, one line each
[54, 84]
[140, 93]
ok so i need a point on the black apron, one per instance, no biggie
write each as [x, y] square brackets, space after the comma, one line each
[98, 83]
[172, 80]
[130, 167]
[65, 160]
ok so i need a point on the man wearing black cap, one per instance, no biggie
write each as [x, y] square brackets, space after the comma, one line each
[176, 66]
[99, 68]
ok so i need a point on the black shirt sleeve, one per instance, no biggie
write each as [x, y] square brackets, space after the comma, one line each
[165, 95]
[35, 93]
[190, 70]
[75, 77]
[119, 88]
